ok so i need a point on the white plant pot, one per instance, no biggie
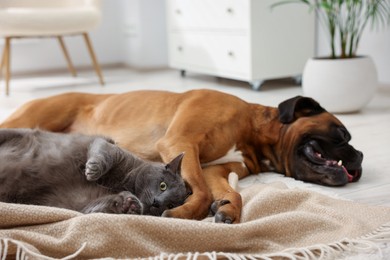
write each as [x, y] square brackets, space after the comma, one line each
[340, 85]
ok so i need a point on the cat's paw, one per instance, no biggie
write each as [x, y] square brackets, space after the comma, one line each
[94, 169]
[126, 203]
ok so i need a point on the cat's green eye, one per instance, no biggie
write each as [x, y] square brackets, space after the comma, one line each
[163, 186]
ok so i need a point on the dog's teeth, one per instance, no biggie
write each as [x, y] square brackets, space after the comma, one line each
[340, 163]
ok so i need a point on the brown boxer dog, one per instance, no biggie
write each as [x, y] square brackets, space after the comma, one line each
[219, 134]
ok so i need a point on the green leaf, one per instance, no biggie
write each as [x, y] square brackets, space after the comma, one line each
[346, 20]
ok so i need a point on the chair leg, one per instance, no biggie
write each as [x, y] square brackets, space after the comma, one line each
[93, 57]
[2, 61]
[67, 57]
[5, 63]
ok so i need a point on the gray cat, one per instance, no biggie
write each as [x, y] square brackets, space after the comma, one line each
[85, 173]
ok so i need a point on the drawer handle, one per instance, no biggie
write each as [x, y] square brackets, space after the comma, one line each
[178, 11]
[180, 48]
[230, 53]
[229, 10]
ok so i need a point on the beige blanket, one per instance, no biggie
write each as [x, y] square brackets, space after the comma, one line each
[276, 222]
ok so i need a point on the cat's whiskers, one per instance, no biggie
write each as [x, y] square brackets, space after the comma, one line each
[149, 196]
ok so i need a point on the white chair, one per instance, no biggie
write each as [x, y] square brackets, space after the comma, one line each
[47, 18]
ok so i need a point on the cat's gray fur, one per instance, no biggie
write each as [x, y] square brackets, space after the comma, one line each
[84, 173]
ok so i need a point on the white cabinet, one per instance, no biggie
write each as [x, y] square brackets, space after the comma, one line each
[239, 39]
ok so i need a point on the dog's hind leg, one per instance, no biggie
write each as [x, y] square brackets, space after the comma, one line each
[54, 113]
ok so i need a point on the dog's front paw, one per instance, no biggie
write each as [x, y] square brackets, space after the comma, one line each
[228, 209]
[220, 216]
[167, 213]
[94, 169]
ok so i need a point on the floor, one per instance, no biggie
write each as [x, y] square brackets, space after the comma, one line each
[370, 128]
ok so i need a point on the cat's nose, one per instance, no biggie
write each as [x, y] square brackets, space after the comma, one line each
[156, 204]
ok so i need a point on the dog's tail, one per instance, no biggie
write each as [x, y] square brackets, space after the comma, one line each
[56, 113]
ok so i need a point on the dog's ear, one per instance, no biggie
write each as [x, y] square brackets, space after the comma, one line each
[293, 108]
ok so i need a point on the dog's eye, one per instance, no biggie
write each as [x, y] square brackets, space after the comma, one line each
[163, 186]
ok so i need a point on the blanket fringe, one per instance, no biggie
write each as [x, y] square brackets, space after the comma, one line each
[24, 253]
[368, 244]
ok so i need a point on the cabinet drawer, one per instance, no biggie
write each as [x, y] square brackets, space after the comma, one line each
[219, 53]
[208, 14]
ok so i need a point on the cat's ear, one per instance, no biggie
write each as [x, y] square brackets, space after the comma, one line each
[175, 164]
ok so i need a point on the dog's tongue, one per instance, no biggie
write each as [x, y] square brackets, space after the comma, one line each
[350, 177]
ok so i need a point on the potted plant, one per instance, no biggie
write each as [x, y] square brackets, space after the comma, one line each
[344, 81]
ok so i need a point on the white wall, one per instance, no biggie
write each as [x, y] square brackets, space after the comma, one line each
[377, 44]
[144, 33]
[133, 32]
